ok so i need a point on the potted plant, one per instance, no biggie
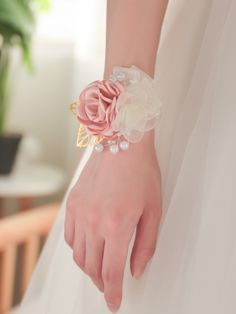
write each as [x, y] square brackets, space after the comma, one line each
[17, 22]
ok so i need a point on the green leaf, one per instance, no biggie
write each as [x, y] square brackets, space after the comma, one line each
[45, 5]
[4, 68]
[17, 15]
[17, 23]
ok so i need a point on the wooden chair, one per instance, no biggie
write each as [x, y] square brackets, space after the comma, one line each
[26, 230]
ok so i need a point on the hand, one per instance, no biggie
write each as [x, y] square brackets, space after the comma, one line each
[114, 195]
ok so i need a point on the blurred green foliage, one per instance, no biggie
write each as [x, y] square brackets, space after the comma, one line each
[17, 24]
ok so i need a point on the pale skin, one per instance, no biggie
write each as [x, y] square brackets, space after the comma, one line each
[118, 195]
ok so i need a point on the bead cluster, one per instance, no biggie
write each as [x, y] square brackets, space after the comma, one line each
[113, 145]
[125, 76]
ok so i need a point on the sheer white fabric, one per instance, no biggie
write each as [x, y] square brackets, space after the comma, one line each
[194, 267]
[141, 106]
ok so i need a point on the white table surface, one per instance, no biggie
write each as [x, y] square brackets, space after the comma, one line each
[32, 181]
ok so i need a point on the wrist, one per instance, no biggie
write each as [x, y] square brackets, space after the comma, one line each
[146, 67]
[147, 140]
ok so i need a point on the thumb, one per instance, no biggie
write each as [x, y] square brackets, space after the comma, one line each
[145, 241]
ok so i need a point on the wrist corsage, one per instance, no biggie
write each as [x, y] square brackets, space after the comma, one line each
[116, 112]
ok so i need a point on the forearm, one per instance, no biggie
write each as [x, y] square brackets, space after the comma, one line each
[132, 33]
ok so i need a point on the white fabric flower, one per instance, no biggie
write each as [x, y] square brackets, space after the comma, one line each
[141, 108]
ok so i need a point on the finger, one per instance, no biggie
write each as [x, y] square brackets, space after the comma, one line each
[69, 229]
[93, 259]
[145, 241]
[114, 259]
[79, 247]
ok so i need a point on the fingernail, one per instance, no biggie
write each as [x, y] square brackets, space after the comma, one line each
[112, 307]
[138, 270]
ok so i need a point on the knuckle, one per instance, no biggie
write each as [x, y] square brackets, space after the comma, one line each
[113, 223]
[72, 199]
[110, 276]
[92, 219]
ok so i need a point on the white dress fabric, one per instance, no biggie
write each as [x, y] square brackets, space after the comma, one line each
[194, 266]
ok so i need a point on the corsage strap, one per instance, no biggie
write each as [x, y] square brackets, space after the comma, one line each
[116, 112]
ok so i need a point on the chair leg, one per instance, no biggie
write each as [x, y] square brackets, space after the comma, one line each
[7, 274]
[25, 202]
[1, 207]
[30, 255]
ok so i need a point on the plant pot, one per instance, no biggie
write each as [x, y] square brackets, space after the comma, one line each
[9, 144]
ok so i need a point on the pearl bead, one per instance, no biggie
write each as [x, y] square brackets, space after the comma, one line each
[112, 78]
[114, 149]
[135, 77]
[110, 142]
[124, 145]
[99, 147]
[133, 81]
[120, 76]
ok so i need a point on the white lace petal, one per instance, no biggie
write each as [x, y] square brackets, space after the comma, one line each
[141, 108]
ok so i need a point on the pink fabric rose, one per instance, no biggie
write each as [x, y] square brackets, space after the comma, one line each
[98, 105]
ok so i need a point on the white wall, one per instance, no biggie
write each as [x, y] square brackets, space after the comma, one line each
[68, 52]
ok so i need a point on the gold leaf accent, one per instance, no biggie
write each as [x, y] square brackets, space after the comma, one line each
[73, 108]
[83, 138]
[98, 139]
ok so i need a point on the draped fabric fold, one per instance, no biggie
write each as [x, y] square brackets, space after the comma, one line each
[193, 269]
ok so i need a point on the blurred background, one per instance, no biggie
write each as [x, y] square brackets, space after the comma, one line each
[49, 50]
